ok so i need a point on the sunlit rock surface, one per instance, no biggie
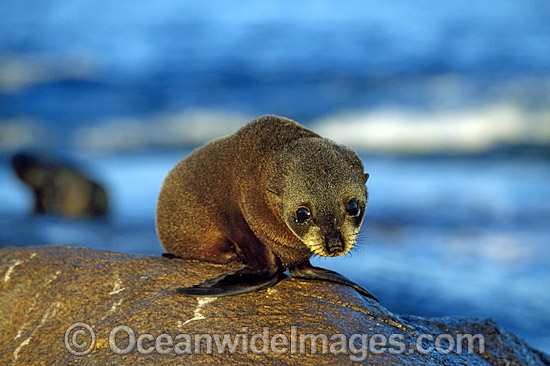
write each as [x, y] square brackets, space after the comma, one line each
[52, 298]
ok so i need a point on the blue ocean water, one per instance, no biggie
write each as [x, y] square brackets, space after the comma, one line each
[448, 104]
[66, 64]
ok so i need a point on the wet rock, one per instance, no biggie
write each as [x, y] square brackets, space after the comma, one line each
[51, 298]
[59, 188]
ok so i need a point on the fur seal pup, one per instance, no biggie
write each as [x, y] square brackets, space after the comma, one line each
[60, 188]
[269, 196]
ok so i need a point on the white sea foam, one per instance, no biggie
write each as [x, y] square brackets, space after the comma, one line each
[393, 131]
[465, 131]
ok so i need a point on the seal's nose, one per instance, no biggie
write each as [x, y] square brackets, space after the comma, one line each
[334, 245]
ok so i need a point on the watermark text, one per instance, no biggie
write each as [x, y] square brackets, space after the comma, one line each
[80, 339]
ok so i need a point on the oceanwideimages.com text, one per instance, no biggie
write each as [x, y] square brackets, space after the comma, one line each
[80, 340]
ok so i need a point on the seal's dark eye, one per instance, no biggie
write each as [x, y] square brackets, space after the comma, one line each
[302, 215]
[352, 208]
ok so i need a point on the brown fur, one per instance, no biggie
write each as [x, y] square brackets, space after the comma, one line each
[225, 202]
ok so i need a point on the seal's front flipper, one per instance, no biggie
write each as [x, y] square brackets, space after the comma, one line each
[307, 271]
[234, 283]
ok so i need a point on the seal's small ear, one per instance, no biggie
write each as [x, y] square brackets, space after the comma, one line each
[273, 190]
[366, 177]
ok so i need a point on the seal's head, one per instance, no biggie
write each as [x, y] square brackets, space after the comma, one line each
[321, 194]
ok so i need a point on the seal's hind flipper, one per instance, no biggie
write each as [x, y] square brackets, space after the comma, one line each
[233, 283]
[307, 271]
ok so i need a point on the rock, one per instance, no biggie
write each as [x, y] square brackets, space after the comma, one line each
[59, 188]
[51, 297]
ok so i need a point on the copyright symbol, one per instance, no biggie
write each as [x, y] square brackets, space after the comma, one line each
[80, 339]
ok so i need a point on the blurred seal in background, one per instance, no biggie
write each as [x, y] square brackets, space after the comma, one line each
[59, 187]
